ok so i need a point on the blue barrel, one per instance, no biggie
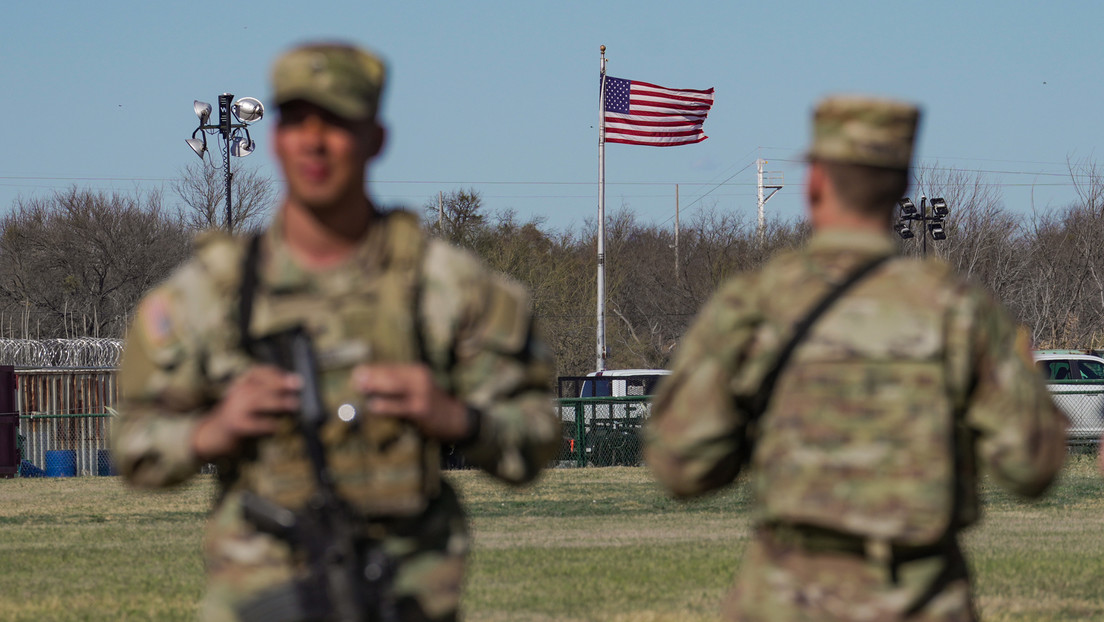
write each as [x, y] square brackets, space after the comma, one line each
[104, 466]
[61, 463]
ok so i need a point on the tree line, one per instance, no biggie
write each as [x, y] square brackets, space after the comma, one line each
[76, 263]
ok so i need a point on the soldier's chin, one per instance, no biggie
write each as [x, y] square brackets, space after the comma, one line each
[319, 202]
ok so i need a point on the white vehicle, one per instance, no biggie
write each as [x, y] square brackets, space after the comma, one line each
[1075, 380]
[622, 382]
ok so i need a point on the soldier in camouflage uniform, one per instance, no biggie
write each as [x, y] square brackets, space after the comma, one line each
[864, 462]
[418, 346]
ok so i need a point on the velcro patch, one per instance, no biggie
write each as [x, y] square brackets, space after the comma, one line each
[155, 320]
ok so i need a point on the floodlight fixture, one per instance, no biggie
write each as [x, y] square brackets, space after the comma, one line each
[198, 146]
[930, 219]
[238, 143]
[241, 146]
[248, 110]
[202, 110]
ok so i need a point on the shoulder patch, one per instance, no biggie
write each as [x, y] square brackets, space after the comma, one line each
[155, 319]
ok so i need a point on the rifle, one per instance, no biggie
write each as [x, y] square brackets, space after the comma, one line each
[349, 578]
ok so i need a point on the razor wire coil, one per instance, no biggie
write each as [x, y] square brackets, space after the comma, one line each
[79, 352]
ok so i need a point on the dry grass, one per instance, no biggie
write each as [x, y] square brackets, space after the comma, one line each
[589, 544]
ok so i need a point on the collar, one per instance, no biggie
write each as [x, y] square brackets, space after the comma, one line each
[281, 271]
[850, 240]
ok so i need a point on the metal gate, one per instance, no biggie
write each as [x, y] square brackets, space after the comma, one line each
[64, 423]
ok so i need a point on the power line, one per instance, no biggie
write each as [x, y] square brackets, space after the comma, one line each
[48, 178]
[384, 181]
[710, 191]
[1072, 178]
[945, 157]
[982, 170]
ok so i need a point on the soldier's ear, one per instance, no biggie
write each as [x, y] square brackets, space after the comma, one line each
[815, 184]
[374, 136]
[818, 189]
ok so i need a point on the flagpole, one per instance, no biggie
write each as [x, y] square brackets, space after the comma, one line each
[601, 362]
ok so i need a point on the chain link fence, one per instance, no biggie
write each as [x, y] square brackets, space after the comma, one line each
[606, 431]
[64, 423]
[1083, 403]
[65, 445]
[603, 431]
[603, 415]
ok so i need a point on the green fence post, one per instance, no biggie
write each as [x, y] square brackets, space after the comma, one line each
[580, 431]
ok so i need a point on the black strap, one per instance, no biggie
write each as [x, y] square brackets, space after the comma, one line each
[248, 288]
[766, 389]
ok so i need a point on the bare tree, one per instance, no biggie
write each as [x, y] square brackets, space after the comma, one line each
[985, 243]
[459, 218]
[76, 264]
[202, 191]
[1088, 182]
[652, 304]
[1045, 269]
[559, 274]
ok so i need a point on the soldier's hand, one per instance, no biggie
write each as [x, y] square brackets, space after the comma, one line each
[409, 392]
[251, 407]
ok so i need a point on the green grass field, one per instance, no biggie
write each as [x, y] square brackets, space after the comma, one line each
[582, 544]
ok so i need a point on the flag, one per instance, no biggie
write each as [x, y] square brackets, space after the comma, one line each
[639, 113]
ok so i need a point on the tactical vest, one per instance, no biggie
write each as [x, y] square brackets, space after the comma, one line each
[861, 435]
[380, 466]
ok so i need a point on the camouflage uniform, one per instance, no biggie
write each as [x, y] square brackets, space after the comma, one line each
[399, 298]
[864, 465]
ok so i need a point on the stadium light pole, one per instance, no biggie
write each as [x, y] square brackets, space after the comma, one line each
[235, 136]
[931, 220]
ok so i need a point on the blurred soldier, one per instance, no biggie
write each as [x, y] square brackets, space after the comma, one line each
[418, 345]
[864, 460]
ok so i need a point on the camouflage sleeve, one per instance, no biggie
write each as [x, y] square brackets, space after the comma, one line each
[160, 397]
[164, 387]
[494, 360]
[693, 438]
[1020, 433]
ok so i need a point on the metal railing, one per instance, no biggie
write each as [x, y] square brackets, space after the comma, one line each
[64, 423]
[603, 431]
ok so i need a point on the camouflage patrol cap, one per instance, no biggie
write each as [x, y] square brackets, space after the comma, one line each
[341, 78]
[864, 130]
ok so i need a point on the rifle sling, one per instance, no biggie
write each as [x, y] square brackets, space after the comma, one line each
[248, 289]
[766, 389]
[947, 546]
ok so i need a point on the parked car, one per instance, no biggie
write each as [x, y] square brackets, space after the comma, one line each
[622, 382]
[1075, 380]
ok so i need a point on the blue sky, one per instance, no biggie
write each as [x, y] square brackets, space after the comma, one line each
[502, 96]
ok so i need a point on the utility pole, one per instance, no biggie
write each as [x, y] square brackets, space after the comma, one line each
[766, 181]
[677, 273]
